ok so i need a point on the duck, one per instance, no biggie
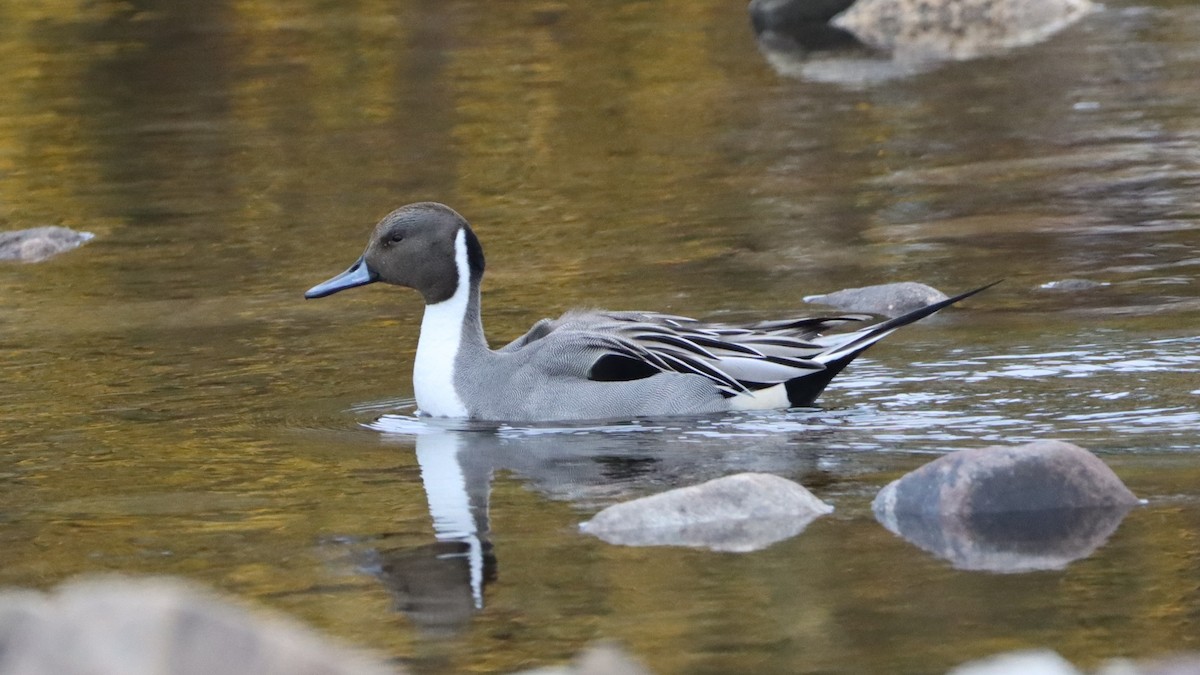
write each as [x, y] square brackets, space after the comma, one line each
[590, 364]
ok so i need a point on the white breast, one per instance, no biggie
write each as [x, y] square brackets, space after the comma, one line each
[437, 348]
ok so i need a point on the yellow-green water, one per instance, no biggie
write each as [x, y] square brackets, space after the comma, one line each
[169, 403]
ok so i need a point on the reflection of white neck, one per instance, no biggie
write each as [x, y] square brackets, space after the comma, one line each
[449, 499]
[437, 348]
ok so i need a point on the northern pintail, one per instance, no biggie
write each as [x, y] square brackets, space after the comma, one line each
[589, 365]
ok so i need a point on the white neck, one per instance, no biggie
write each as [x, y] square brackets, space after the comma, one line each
[437, 348]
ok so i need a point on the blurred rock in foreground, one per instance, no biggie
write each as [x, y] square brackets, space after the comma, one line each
[1032, 662]
[117, 626]
[601, 659]
[1046, 662]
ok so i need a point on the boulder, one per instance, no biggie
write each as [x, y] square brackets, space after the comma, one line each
[739, 513]
[1038, 476]
[39, 243]
[117, 626]
[1007, 509]
[885, 299]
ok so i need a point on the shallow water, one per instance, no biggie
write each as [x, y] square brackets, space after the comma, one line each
[171, 405]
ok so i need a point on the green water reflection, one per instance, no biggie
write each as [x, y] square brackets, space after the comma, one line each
[170, 405]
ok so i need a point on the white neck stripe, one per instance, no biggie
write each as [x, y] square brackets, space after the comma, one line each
[437, 348]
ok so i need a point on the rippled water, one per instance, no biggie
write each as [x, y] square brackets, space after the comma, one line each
[171, 405]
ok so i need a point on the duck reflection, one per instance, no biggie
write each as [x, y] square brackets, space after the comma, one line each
[441, 585]
[1011, 542]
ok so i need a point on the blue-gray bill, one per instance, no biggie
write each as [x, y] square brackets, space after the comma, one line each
[358, 275]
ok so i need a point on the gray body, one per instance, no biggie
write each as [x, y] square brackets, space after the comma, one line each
[589, 365]
[547, 378]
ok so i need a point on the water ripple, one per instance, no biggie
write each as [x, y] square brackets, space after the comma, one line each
[1092, 393]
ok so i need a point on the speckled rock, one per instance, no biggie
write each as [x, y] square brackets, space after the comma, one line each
[957, 29]
[115, 626]
[1008, 509]
[39, 243]
[886, 299]
[743, 512]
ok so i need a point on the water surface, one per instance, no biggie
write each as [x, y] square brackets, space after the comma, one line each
[171, 405]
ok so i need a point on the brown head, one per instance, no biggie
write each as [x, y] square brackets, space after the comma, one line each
[413, 246]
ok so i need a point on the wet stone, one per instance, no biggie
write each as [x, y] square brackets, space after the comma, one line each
[1039, 506]
[739, 513]
[885, 299]
[40, 243]
[1042, 475]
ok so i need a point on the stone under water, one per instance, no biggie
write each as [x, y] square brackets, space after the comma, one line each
[738, 513]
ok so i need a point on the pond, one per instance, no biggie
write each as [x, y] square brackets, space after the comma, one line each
[172, 406]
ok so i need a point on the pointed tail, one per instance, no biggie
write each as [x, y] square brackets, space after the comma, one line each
[802, 391]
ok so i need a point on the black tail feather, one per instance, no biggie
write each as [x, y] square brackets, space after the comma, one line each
[804, 390]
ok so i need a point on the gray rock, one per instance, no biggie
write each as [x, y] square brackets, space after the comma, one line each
[886, 299]
[39, 243]
[957, 29]
[1032, 662]
[1007, 509]
[120, 626]
[743, 512]
[1038, 476]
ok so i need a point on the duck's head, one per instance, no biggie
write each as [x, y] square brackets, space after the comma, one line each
[425, 246]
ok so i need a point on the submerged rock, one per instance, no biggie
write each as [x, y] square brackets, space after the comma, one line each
[886, 299]
[39, 243]
[1070, 285]
[154, 626]
[957, 29]
[743, 512]
[1007, 509]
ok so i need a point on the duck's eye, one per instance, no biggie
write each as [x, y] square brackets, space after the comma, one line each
[395, 238]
